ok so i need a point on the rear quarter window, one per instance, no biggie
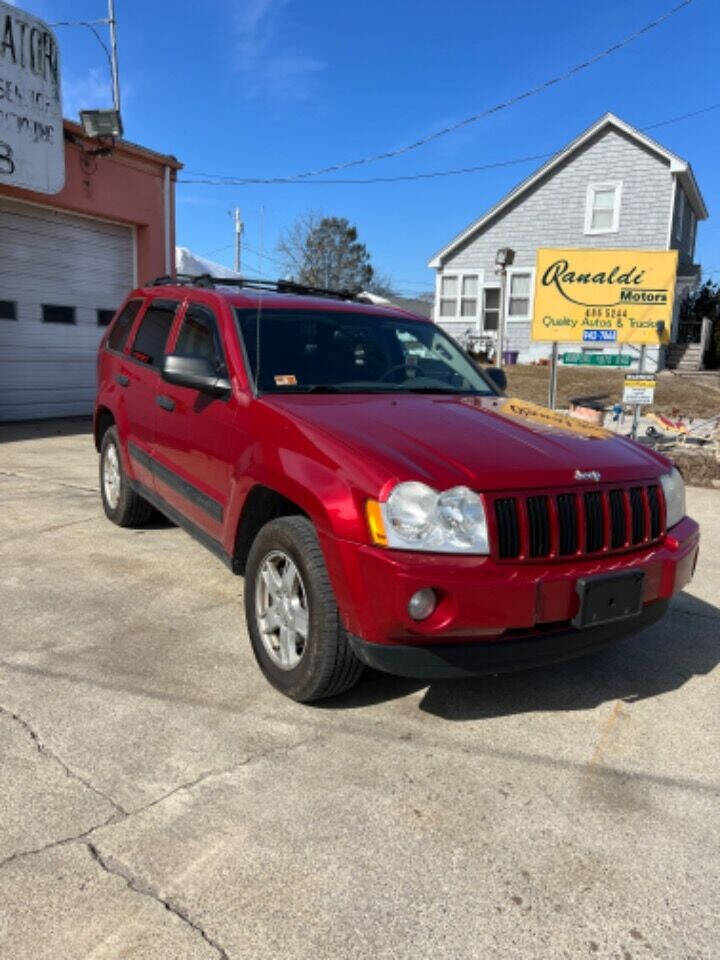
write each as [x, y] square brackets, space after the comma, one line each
[118, 335]
[152, 334]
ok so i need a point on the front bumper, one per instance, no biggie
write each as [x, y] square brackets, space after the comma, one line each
[445, 661]
[486, 602]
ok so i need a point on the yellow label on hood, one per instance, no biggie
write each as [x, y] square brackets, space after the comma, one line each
[533, 412]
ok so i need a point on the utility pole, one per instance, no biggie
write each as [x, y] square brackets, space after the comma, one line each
[112, 23]
[239, 228]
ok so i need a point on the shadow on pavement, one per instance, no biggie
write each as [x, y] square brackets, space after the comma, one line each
[686, 643]
[41, 429]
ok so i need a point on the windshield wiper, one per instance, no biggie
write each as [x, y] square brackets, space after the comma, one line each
[422, 389]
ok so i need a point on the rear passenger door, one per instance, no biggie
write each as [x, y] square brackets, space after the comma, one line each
[194, 448]
[140, 375]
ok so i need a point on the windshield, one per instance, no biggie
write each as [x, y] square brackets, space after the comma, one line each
[335, 352]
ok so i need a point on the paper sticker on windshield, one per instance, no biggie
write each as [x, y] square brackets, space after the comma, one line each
[285, 380]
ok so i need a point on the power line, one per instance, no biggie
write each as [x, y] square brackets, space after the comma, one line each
[218, 181]
[215, 181]
[451, 128]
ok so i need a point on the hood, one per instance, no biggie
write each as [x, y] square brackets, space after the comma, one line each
[488, 443]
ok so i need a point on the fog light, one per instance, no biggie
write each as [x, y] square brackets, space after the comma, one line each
[422, 604]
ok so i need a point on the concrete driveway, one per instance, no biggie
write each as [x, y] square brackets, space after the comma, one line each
[160, 800]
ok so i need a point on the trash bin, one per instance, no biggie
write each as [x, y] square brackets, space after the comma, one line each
[509, 357]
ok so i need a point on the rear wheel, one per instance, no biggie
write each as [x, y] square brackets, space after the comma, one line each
[121, 504]
[292, 618]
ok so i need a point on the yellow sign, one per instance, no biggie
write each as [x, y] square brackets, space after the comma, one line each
[604, 297]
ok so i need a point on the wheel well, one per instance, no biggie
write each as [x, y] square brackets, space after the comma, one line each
[261, 505]
[103, 421]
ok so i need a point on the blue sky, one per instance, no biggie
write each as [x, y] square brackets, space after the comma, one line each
[277, 87]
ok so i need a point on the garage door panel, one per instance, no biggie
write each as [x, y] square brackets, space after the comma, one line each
[52, 257]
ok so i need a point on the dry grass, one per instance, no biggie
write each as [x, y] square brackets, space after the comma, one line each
[679, 396]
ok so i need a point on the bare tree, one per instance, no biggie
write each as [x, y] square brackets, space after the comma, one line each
[325, 252]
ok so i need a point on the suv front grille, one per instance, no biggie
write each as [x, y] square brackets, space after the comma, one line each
[576, 523]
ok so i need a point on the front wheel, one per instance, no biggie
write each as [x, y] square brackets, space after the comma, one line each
[292, 618]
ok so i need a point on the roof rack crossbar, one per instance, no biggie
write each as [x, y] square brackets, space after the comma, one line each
[252, 283]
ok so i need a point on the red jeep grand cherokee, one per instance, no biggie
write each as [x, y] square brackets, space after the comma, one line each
[385, 502]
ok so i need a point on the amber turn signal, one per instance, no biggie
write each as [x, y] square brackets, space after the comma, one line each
[376, 525]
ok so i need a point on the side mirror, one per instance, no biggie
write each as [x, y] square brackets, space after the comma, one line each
[197, 373]
[497, 377]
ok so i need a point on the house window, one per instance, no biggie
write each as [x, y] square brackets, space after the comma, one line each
[680, 214]
[602, 209]
[459, 295]
[491, 308]
[448, 296]
[104, 317]
[468, 301]
[8, 310]
[519, 290]
[52, 313]
[691, 234]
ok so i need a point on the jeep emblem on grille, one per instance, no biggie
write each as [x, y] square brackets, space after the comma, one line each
[593, 475]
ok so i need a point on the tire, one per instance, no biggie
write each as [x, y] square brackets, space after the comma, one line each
[326, 666]
[121, 504]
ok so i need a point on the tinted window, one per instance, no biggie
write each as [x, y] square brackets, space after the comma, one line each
[199, 337]
[121, 328]
[8, 310]
[354, 353]
[104, 317]
[150, 340]
[52, 313]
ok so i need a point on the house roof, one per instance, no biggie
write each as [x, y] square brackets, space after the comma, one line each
[678, 167]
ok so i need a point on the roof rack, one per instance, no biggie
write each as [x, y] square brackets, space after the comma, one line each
[205, 280]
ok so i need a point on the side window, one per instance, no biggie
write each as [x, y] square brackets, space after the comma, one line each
[199, 337]
[150, 340]
[121, 328]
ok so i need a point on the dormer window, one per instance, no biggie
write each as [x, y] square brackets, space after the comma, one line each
[602, 208]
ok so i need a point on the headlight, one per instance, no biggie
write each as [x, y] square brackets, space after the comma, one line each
[674, 492]
[416, 517]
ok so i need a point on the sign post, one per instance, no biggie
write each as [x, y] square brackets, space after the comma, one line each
[32, 149]
[552, 389]
[603, 297]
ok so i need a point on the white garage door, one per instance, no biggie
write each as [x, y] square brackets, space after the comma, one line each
[59, 275]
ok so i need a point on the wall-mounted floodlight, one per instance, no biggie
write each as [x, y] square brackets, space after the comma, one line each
[101, 123]
[505, 257]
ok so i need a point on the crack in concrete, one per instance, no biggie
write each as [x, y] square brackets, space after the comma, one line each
[145, 889]
[14, 474]
[45, 751]
[122, 815]
[59, 526]
[20, 854]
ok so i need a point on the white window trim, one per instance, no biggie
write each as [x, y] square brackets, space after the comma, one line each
[456, 318]
[531, 299]
[593, 188]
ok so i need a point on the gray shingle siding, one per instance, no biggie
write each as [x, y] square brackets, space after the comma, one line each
[552, 214]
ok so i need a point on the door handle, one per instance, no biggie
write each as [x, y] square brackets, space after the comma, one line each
[122, 379]
[167, 403]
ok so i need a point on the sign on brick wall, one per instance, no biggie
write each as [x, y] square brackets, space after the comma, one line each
[604, 297]
[32, 152]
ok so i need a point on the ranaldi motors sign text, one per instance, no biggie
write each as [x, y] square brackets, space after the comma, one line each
[604, 296]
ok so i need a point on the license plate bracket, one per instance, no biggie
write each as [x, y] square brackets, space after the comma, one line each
[608, 597]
